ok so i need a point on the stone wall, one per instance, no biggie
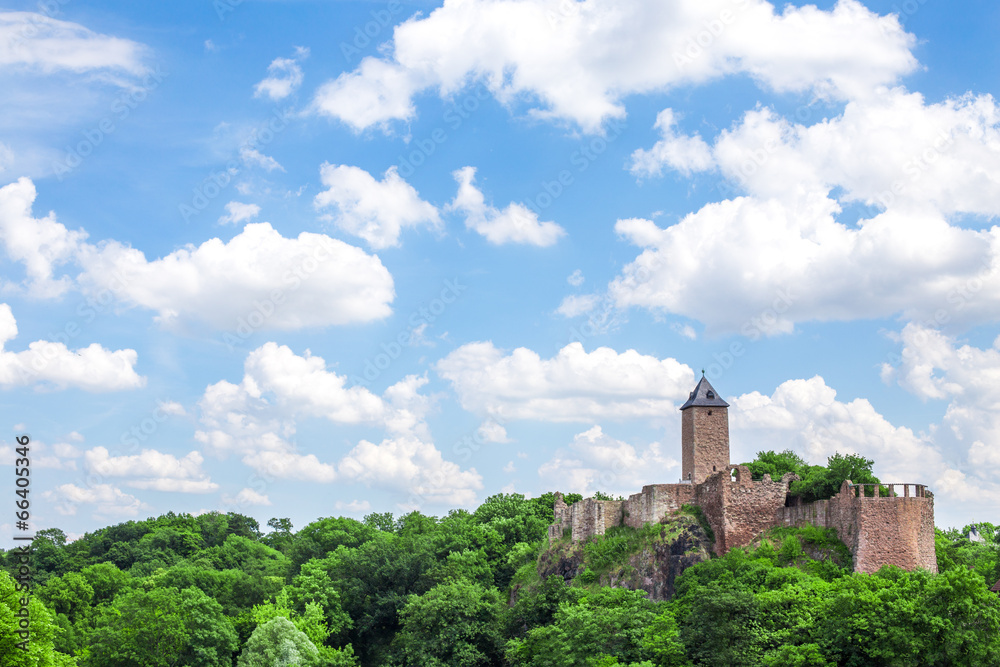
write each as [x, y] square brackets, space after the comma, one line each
[655, 501]
[879, 530]
[738, 510]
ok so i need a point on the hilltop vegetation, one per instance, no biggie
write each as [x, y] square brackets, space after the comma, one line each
[483, 588]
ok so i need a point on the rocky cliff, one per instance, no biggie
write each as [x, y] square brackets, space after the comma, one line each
[649, 558]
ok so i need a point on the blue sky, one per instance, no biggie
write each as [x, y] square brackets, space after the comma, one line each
[316, 258]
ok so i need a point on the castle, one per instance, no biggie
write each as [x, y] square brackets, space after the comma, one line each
[893, 529]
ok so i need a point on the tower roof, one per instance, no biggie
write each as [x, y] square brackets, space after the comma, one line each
[704, 395]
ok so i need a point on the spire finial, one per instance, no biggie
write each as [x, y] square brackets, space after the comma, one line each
[703, 372]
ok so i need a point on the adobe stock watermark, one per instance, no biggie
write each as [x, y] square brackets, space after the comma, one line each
[696, 44]
[915, 165]
[47, 9]
[217, 181]
[120, 109]
[462, 110]
[581, 159]
[364, 34]
[86, 312]
[225, 7]
[762, 324]
[422, 317]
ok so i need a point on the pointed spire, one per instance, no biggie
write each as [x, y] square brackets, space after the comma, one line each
[704, 395]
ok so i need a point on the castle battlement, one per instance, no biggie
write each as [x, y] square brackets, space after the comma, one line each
[879, 529]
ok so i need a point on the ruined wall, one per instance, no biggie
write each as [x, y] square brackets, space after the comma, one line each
[655, 501]
[879, 530]
[739, 510]
[704, 442]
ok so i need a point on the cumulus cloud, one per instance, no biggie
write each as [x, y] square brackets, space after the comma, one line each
[285, 283]
[892, 150]
[685, 154]
[37, 42]
[407, 462]
[52, 365]
[374, 94]
[355, 506]
[514, 224]
[936, 366]
[40, 244]
[237, 212]
[257, 280]
[108, 501]
[284, 76]
[151, 469]
[785, 252]
[775, 264]
[376, 211]
[578, 304]
[807, 417]
[246, 496]
[595, 461]
[579, 61]
[257, 420]
[574, 385]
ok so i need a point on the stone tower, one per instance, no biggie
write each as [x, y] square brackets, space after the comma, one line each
[704, 434]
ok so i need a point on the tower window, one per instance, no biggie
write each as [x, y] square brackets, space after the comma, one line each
[711, 394]
[709, 412]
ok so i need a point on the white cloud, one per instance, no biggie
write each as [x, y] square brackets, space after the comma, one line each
[246, 496]
[514, 224]
[252, 156]
[376, 211]
[805, 416]
[922, 164]
[936, 366]
[109, 501]
[893, 150]
[40, 456]
[376, 93]
[153, 470]
[407, 462]
[284, 76]
[258, 278]
[172, 408]
[257, 420]
[53, 365]
[355, 506]
[775, 263]
[685, 154]
[595, 461]
[576, 278]
[571, 386]
[40, 244]
[510, 467]
[237, 212]
[578, 304]
[37, 42]
[579, 60]
[492, 431]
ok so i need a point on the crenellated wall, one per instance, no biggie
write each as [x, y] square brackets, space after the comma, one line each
[894, 529]
[878, 529]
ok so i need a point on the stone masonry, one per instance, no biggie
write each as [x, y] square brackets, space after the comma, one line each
[879, 529]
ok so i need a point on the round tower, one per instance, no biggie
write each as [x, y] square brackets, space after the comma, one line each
[704, 433]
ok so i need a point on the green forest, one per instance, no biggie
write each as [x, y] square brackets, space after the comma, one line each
[485, 588]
